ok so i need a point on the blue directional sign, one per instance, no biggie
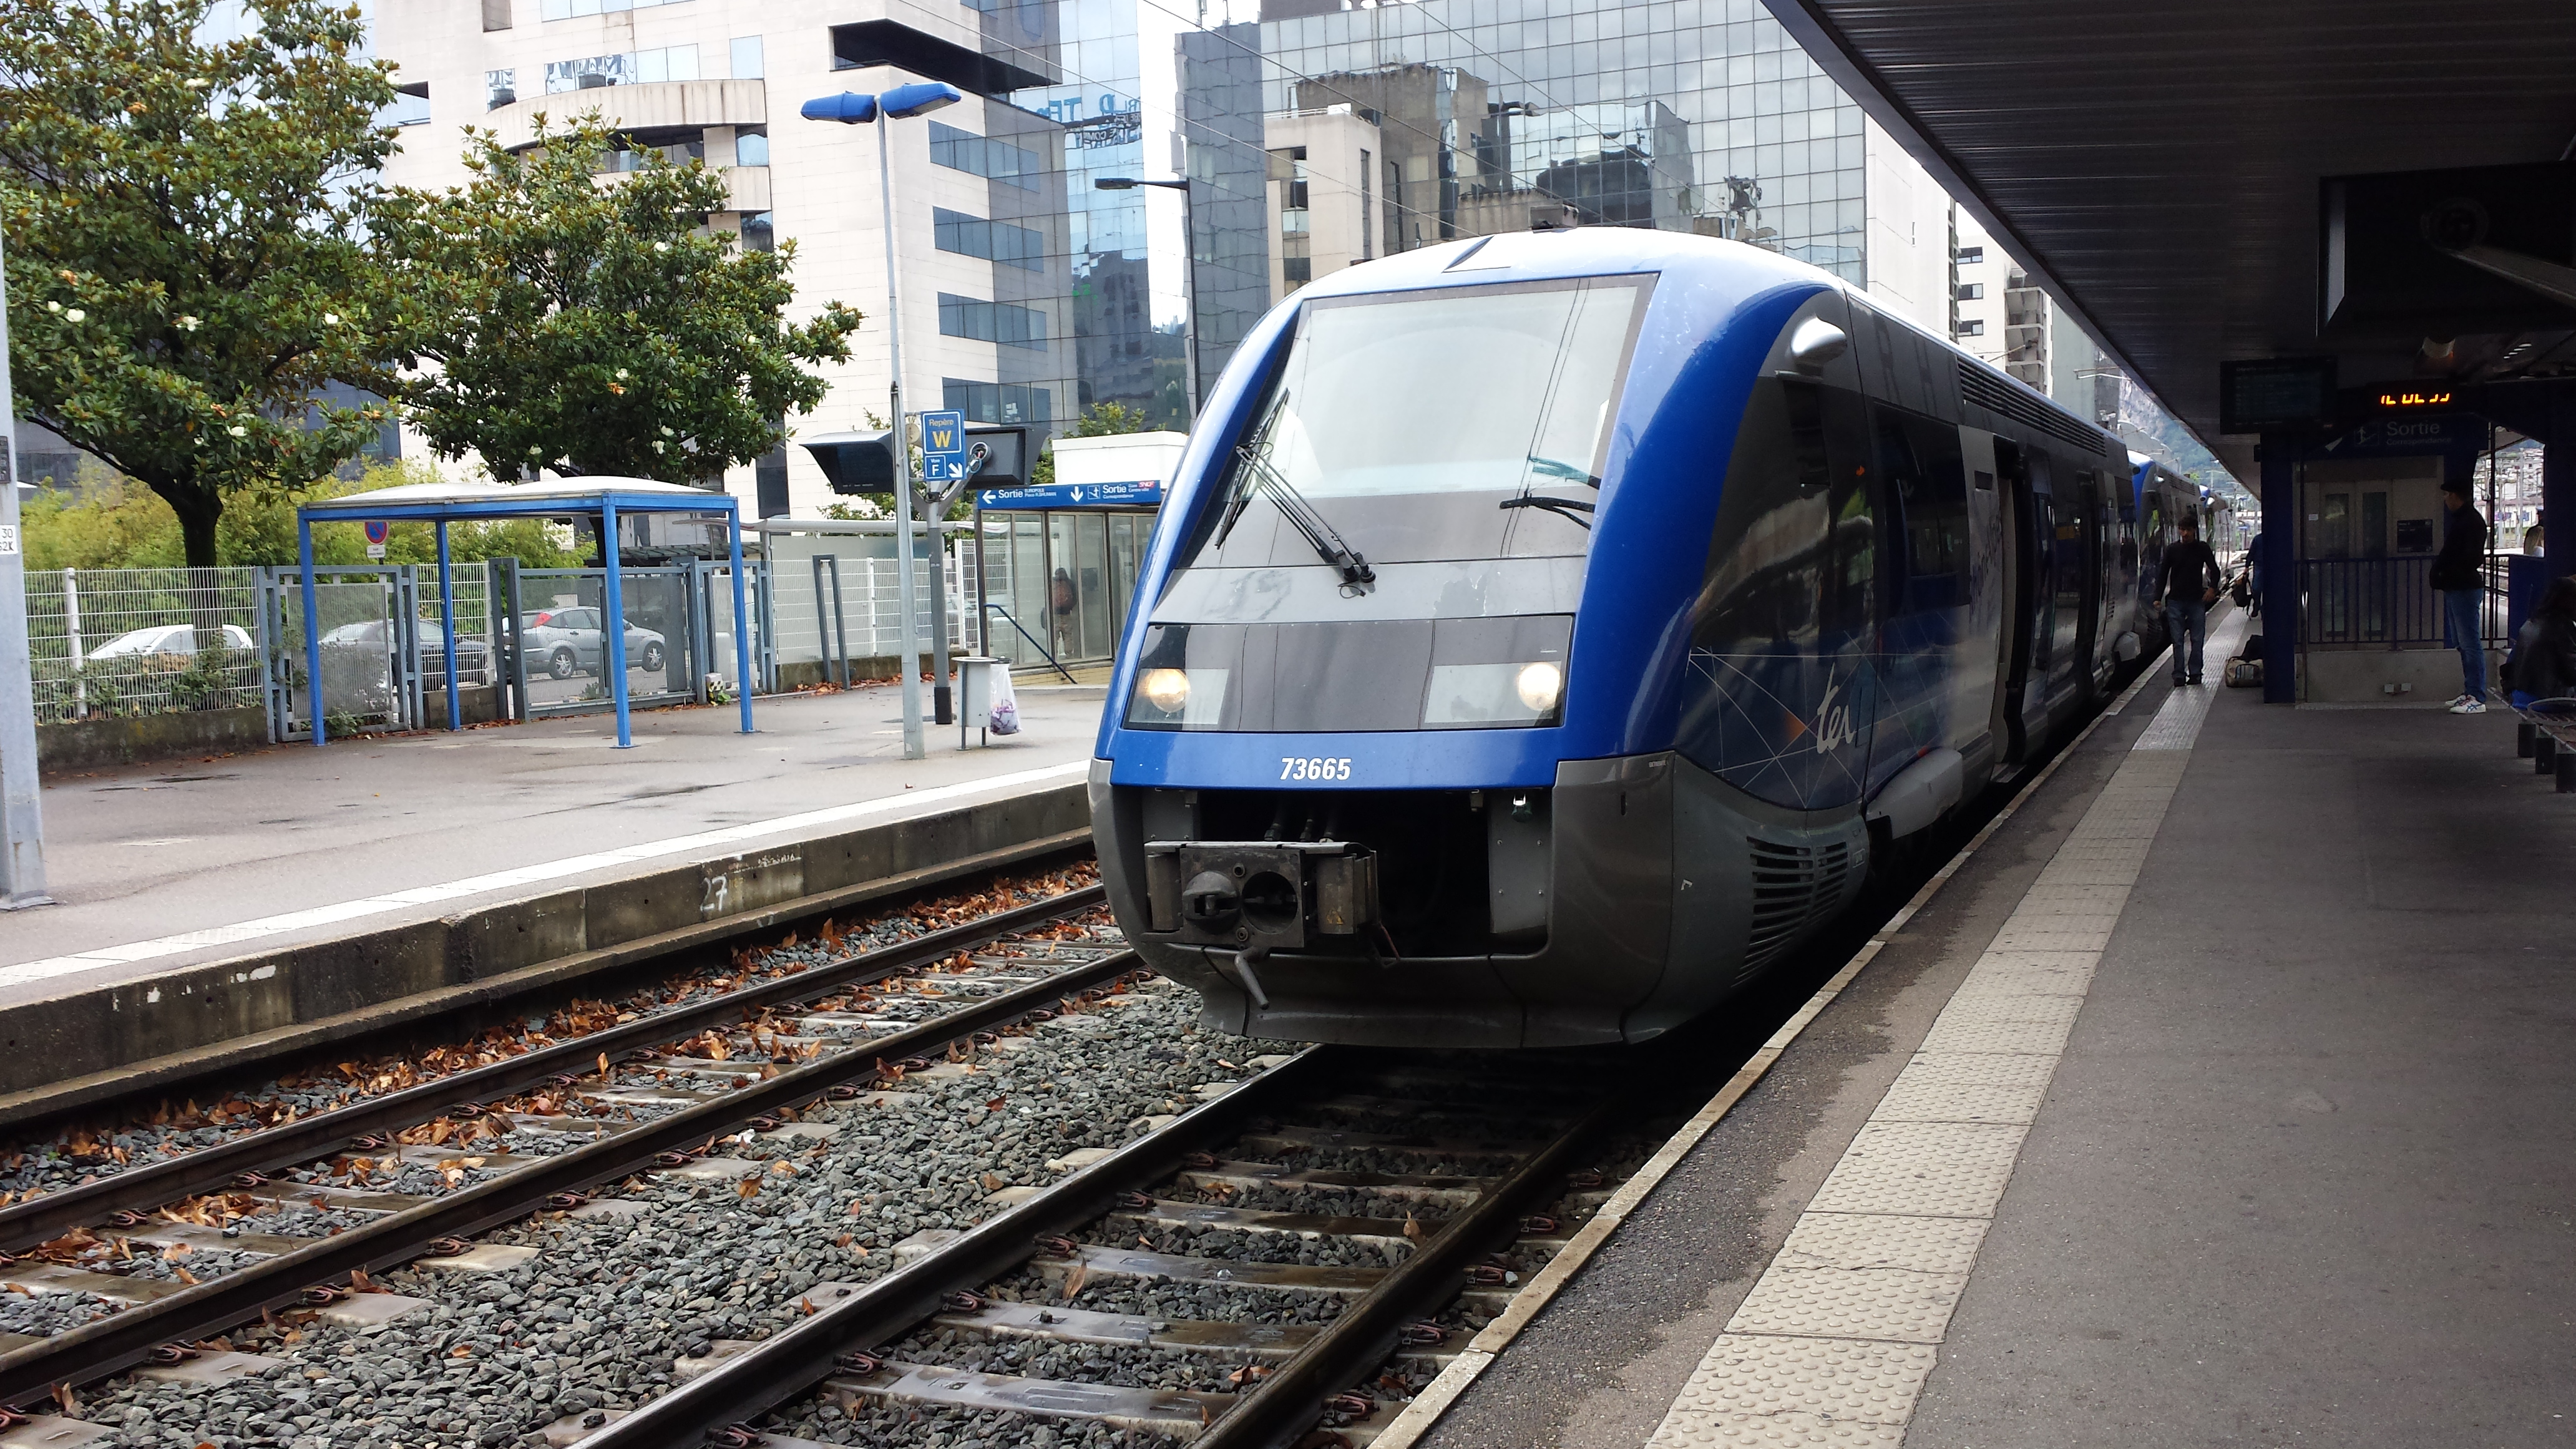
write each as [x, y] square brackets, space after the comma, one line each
[1148, 493]
[943, 447]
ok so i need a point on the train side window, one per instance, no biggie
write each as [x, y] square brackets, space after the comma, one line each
[1804, 405]
[1801, 455]
[1925, 484]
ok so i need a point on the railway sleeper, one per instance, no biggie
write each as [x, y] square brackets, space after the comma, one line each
[1451, 1192]
[1174, 1413]
[1312, 1227]
[1311, 1139]
[1142, 1265]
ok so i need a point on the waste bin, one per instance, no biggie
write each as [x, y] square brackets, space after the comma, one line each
[974, 693]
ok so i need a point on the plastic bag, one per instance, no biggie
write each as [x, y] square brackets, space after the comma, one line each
[1004, 716]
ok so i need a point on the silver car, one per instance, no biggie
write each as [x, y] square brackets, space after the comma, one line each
[566, 642]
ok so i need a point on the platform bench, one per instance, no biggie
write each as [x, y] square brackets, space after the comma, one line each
[2547, 737]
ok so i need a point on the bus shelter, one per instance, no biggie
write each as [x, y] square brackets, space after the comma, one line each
[440, 504]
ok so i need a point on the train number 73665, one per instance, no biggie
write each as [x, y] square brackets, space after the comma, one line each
[1313, 767]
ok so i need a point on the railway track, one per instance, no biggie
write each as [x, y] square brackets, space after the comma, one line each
[1351, 1216]
[538, 1132]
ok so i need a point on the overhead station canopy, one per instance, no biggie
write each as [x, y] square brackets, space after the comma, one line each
[2160, 168]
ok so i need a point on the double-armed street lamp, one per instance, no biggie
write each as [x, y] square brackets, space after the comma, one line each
[853, 109]
[1189, 266]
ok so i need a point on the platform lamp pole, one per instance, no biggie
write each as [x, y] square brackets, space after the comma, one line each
[852, 109]
[741, 621]
[22, 824]
[1189, 267]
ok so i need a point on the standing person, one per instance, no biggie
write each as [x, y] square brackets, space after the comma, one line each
[2187, 582]
[2254, 578]
[2459, 572]
[2534, 540]
[2544, 662]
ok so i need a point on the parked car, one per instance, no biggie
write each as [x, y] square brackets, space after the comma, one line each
[566, 642]
[177, 641]
[473, 656]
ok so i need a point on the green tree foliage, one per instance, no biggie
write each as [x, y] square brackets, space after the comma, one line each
[115, 523]
[187, 259]
[596, 326]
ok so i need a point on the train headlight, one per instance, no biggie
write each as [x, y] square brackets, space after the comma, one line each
[1166, 689]
[1540, 686]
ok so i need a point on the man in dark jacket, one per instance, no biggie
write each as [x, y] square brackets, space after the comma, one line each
[2188, 583]
[2459, 572]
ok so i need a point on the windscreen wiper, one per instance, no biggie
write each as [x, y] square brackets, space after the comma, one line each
[1253, 459]
[1570, 508]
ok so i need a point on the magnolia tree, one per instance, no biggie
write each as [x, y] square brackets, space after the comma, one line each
[591, 322]
[187, 220]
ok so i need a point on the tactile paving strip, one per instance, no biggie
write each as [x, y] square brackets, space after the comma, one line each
[1883, 1240]
[2006, 1001]
[1839, 1380]
[2032, 980]
[2036, 1038]
[2003, 1069]
[1687, 1430]
[1888, 1304]
[2056, 934]
[1931, 1169]
[1918, 1100]
[1834, 1342]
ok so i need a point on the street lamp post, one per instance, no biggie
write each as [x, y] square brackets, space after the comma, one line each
[1189, 267]
[852, 109]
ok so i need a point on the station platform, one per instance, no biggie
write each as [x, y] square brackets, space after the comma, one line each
[2224, 1096]
[156, 868]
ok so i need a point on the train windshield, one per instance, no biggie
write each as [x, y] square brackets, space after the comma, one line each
[1467, 423]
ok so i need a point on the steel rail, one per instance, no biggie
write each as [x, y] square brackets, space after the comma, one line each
[145, 1188]
[1289, 1401]
[792, 1362]
[107, 1345]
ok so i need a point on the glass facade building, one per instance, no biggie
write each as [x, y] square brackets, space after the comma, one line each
[1486, 116]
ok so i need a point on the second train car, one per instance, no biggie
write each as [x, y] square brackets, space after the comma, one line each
[1543, 631]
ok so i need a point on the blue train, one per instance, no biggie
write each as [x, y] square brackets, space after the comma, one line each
[1543, 631]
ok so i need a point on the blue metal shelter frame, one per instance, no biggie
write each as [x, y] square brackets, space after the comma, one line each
[443, 503]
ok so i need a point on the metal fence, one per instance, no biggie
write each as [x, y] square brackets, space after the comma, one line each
[2379, 603]
[127, 643]
[838, 589]
[122, 643]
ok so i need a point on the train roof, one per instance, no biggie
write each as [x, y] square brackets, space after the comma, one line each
[1592, 251]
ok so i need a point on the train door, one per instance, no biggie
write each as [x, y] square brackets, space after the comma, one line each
[1977, 661]
[2115, 547]
[2151, 554]
[2025, 643]
[2075, 590]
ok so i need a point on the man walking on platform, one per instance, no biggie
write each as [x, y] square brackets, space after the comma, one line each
[2188, 584]
[2459, 572]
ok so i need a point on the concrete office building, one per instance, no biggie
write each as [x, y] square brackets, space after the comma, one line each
[1493, 115]
[981, 219]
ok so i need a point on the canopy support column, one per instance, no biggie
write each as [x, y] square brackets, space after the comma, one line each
[612, 650]
[2280, 568]
[312, 628]
[447, 624]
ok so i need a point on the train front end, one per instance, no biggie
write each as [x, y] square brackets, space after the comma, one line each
[1387, 757]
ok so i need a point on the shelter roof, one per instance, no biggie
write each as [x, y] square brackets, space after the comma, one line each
[560, 495]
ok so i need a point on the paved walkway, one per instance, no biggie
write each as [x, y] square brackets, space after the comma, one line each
[169, 865]
[2225, 1098]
